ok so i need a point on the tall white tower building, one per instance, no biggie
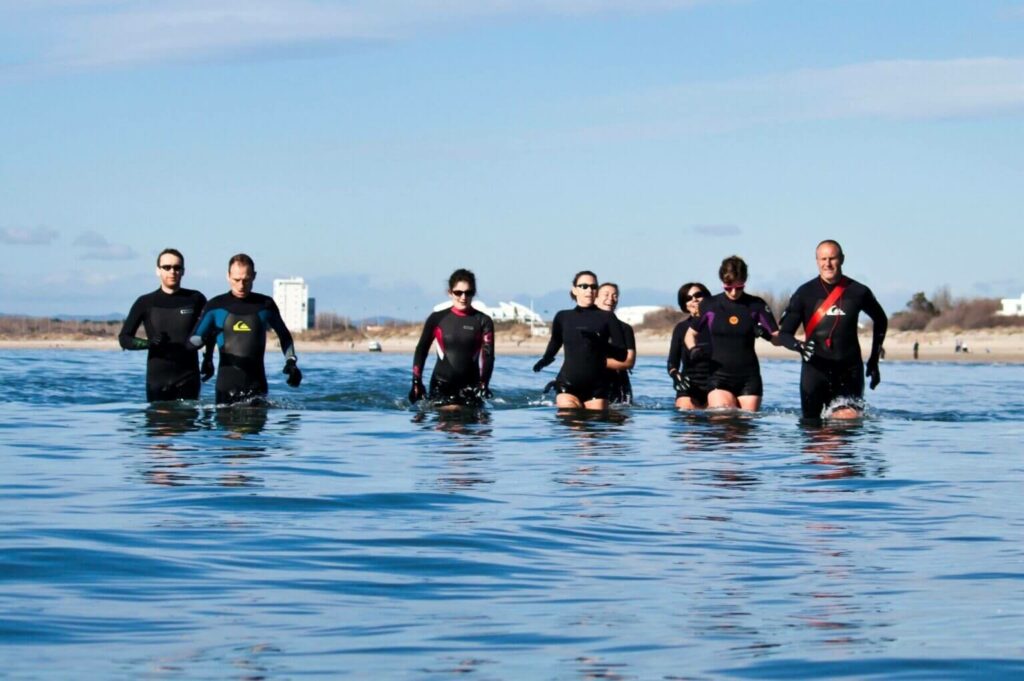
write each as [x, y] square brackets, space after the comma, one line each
[292, 298]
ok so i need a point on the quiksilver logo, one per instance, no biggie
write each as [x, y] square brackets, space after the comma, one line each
[241, 327]
[835, 311]
[185, 311]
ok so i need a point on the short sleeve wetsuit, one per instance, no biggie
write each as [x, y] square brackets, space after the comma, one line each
[698, 370]
[620, 390]
[733, 327]
[836, 370]
[588, 335]
[465, 354]
[172, 364]
[239, 326]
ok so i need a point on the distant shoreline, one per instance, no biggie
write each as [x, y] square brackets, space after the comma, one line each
[989, 346]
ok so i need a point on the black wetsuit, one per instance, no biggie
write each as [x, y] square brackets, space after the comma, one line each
[589, 335]
[465, 354]
[620, 390]
[240, 326]
[697, 370]
[836, 370]
[172, 365]
[733, 328]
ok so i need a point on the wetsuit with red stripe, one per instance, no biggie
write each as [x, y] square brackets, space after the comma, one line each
[836, 370]
[465, 352]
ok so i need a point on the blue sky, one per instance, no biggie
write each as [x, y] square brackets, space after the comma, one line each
[374, 146]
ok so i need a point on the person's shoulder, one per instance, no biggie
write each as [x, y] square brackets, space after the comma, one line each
[753, 300]
[190, 293]
[812, 286]
[220, 300]
[148, 297]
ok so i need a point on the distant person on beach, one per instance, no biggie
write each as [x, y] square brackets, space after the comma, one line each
[465, 349]
[828, 307]
[620, 390]
[690, 376]
[590, 336]
[917, 346]
[168, 314]
[238, 322]
[733, 320]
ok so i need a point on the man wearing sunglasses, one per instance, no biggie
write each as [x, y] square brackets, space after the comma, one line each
[828, 307]
[168, 314]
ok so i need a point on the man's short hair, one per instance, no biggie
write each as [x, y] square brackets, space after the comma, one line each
[242, 259]
[833, 242]
[170, 251]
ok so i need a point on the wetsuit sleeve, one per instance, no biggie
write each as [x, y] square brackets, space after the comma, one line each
[555, 342]
[616, 338]
[127, 337]
[206, 329]
[629, 336]
[198, 306]
[880, 324]
[764, 318]
[675, 349]
[793, 315]
[487, 351]
[284, 336]
[419, 358]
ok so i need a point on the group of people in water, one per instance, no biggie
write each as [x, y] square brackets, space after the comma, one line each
[712, 360]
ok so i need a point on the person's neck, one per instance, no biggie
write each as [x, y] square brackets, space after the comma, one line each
[168, 290]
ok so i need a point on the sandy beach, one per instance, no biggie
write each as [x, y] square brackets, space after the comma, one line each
[986, 345]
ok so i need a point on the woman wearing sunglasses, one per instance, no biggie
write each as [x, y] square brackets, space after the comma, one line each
[691, 379]
[465, 349]
[733, 319]
[590, 336]
[620, 390]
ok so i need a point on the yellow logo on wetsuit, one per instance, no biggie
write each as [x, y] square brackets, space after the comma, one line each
[734, 320]
[241, 327]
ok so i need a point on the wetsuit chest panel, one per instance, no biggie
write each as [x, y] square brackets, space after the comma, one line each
[177, 322]
[244, 335]
[459, 342]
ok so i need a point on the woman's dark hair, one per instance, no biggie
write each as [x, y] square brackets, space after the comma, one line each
[462, 274]
[611, 284]
[576, 278]
[684, 293]
[733, 269]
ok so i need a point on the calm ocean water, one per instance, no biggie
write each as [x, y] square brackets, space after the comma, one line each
[342, 534]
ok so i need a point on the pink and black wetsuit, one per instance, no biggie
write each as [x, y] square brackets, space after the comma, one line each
[465, 353]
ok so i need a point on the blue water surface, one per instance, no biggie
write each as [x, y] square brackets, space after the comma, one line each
[340, 533]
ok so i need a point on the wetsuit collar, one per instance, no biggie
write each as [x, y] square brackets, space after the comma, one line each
[461, 313]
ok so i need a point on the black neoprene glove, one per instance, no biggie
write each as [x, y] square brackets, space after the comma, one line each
[294, 374]
[206, 370]
[541, 363]
[873, 373]
[680, 381]
[417, 391]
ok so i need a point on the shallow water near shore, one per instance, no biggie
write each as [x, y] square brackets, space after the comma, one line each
[340, 533]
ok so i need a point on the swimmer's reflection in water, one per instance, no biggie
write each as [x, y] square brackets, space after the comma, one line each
[838, 447]
[165, 422]
[700, 431]
[468, 447]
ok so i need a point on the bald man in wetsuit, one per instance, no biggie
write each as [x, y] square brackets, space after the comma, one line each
[168, 314]
[238, 321]
[828, 307]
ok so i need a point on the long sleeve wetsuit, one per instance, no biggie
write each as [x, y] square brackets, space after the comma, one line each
[698, 370]
[620, 389]
[836, 370]
[588, 335]
[172, 365]
[465, 352]
[733, 328]
[239, 327]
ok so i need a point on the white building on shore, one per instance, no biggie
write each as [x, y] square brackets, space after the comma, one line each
[292, 298]
[1012, 307]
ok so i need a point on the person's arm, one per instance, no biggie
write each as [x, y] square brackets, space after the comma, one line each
[419, 356]
[127, 338]
[487, 353]
[554, 344]
[206, 368]
[675, 348]
[206, 329]
[629, 342]
[284, 336]
[880, 324]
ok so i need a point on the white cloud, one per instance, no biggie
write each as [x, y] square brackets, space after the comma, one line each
[93, 34]
[99, 248]
[36, 236]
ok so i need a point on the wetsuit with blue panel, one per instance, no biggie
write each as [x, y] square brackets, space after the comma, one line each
[239, 326]
[172, 364]
[836, 370]
[733, 325]
[465, 355]
[590, 336]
